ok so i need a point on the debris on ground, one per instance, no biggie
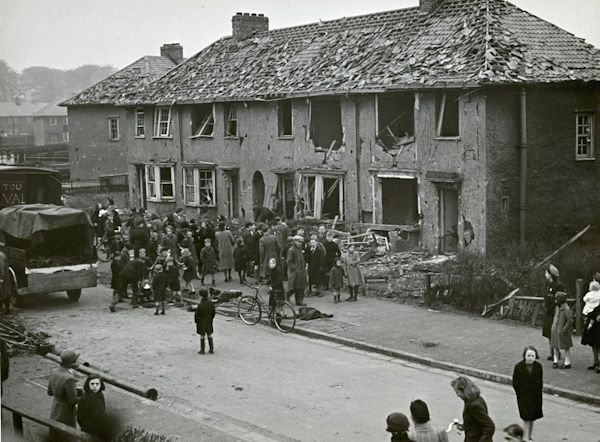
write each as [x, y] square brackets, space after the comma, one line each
[17, 337]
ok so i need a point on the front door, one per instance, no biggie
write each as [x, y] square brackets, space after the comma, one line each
[448, 220]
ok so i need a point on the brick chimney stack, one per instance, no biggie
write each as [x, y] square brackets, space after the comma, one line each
[245, 24]
[428, 6]
[173, 51]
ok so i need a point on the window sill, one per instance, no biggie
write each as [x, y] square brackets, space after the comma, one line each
[194, 137]
[162, 138]
[206, 206]
[114, 140]
[586, 159]
[140, 137]
[231, 137]
[286, 137]
[447, 138]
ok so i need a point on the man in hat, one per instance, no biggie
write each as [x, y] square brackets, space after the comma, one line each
[398, 425]
[62, 387]
[296, 270]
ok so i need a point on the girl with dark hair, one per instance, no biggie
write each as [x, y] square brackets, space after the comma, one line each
[477, 424]
[554, 286]
[91, 410]
[528, 383]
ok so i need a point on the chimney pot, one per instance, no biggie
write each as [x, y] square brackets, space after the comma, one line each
[428, 6]
[244, 25]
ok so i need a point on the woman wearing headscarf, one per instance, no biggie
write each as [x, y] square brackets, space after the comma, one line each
[553, 286]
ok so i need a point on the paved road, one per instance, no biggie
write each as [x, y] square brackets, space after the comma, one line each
[282, 387]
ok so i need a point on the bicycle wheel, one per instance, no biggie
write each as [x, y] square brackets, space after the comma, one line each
[103, 251]
[284, 317]
[249, 309]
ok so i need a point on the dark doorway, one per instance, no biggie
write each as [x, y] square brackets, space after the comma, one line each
[141, 184]
[448, 220]
[258, 190]
[399, 201]
[232, 195]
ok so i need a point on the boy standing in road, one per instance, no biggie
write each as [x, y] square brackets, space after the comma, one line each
[203, 317]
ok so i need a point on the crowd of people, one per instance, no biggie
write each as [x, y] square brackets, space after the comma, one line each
[166, 254]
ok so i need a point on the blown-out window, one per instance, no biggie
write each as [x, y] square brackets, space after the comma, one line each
[326, 130]
[160, 183]
[231, 121]
[447, 114]
[284, 117]
[321, 196]
[203, 120]
[199, 186]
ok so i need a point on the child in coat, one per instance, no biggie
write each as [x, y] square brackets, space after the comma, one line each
[189, 270]
[160, 282]
[336, 279]
[240, 259]
[115, 283]
[203, 317]
[354, 274]
[208, 256]
[172, 272]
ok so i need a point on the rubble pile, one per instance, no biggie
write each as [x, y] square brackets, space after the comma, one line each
[17, 337]
[400, 275]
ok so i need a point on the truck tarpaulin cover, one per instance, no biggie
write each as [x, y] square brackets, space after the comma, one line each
[29, 221]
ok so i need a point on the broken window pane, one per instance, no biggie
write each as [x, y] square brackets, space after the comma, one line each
[166, 182]
[231, 127]
[446, 106]
[331, 198]
[284, 113]
[395, 118]
[189, 187]
[326, 123]
[203, 122]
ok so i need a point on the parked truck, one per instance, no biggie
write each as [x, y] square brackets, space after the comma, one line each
[49, 248]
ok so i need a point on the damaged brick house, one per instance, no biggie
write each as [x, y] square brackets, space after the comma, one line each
[465, 116]
[98, 134]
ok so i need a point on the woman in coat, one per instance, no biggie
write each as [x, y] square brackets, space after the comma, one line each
[477, 424]
[528, 381]
[554, 286]
[562, 327]
[591, 330]
[62, 387]
[353, 273]
[225, 244]
[296, 270]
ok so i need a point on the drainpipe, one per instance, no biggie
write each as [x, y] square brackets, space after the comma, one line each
[523, 147]
[358, 154]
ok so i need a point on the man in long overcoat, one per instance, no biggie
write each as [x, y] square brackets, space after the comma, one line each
[296, 270]
[62, 387]
[268, 247]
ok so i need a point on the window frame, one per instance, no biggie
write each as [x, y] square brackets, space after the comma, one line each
[228, 109]
[140, 112]
[65, 137]
[312, 123]
[158, 122]
[110, 129]
[53, 138]
[588, 155]
[52, 121]
[439, 115]
[154, 183]
[209, 120]
[280, 118]
[197, 186]
[317, 193]
[65, 120]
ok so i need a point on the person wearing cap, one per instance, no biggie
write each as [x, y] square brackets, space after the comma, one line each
[62, 387]
[554, 285]
[398, 425]
[203, 317]
[562, 327]
[296, 270]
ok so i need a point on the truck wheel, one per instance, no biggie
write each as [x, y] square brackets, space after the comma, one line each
[74, 295]
[17, 301]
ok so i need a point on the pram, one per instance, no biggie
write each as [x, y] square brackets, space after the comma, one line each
[145, 295]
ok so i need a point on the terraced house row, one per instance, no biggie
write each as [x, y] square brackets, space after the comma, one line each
[466, 116]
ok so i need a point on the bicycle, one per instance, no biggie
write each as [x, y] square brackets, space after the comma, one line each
[448, 243]
[282, 314]
[107, 247]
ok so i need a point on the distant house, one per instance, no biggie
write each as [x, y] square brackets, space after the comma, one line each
[99, 130]
[50, 125]
[468, 119]
[16, 123]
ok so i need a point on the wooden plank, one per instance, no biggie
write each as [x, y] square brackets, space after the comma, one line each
[61, 281]
[569, 242]
[47, 422]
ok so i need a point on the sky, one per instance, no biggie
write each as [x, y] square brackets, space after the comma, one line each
[65, 34]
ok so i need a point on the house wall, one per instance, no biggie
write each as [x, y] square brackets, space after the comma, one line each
[46, 133]
[556, 181]
[259, 148]
[91, 152]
